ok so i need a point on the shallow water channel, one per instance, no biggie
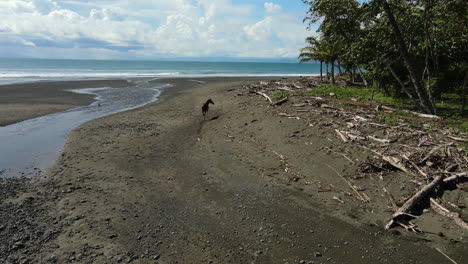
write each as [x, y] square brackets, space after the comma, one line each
[29, 147]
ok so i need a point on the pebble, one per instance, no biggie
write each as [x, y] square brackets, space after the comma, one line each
[317, 254]
[17, 245]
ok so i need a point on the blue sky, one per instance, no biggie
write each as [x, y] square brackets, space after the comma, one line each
[152, 29]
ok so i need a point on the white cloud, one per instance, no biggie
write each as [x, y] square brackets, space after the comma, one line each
[272, 8]
[152, 28]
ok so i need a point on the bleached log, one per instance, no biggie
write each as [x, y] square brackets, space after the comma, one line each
[384, 141]
[266, 96]
[458, 139]
[456, 176]
[396, 162]
[408, 205]
[284, 89]
[352, 136]
[342, 136]
[296, 85]
[438, 208]
[422, 115]
[360, 118]
[316, 98]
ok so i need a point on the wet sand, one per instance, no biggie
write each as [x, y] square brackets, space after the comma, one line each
[159, 184]
[29, 100]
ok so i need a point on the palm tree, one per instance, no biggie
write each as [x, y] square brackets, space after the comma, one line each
[312, 52]
[320, 50]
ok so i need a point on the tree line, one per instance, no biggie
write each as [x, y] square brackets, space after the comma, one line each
[408, 48]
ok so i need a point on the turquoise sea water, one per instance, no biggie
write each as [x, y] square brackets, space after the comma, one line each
[26, 70]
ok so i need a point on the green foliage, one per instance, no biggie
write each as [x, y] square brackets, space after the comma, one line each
[387, 118]
[361, 94]
[280, 95]
[359, 35]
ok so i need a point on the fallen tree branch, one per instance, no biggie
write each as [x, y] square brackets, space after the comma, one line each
[282, 101]
[422, 115]
[342, 136]
[266, 96]
[458, 139]
[346, 157]
[434, 150]
[438, 208]
[384, 141]
[455, 176]
[445, 255]
[395, 162]
[405, 210]
[391, 198]
[350, 185]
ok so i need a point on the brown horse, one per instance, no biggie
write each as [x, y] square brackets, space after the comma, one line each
[204, 107]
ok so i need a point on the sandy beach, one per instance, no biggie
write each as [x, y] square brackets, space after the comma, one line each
[159, 184]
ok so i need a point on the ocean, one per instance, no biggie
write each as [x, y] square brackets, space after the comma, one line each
[29, 70]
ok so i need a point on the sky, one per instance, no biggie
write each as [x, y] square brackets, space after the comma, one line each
[152, 29]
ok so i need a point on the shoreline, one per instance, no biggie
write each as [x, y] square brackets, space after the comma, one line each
[158, 184]
[20, 102]
[23, 101]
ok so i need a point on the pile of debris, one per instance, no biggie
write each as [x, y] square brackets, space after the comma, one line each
[434, 160]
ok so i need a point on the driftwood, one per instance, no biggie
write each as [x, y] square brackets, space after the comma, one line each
[361, 197]
[391, 198]
[384, 141]
[456, 176]
[458, 139]
[316, 98]
[404, 211]
[346, 157]
[422, 115]
[445, 212]
[266, 96]
[342, 136]
[434, 150]
[284, 89]
[445, 255]
[396, 162]
[282, 101]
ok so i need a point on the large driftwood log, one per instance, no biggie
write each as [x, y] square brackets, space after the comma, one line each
[405, 210]
[445, 212]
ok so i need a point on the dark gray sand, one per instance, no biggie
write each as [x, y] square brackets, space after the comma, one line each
[159, 184]
[19, 102]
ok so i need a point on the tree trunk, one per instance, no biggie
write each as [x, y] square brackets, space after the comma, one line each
[422, 93]
[321, 76]
[463, 95]
[333, 71]
[428, 52]
[353, 74]
[362, 77]
[328, 73]
[339, 67]
[403, 87]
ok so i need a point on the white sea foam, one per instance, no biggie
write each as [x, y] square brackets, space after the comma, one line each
[30, 70]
